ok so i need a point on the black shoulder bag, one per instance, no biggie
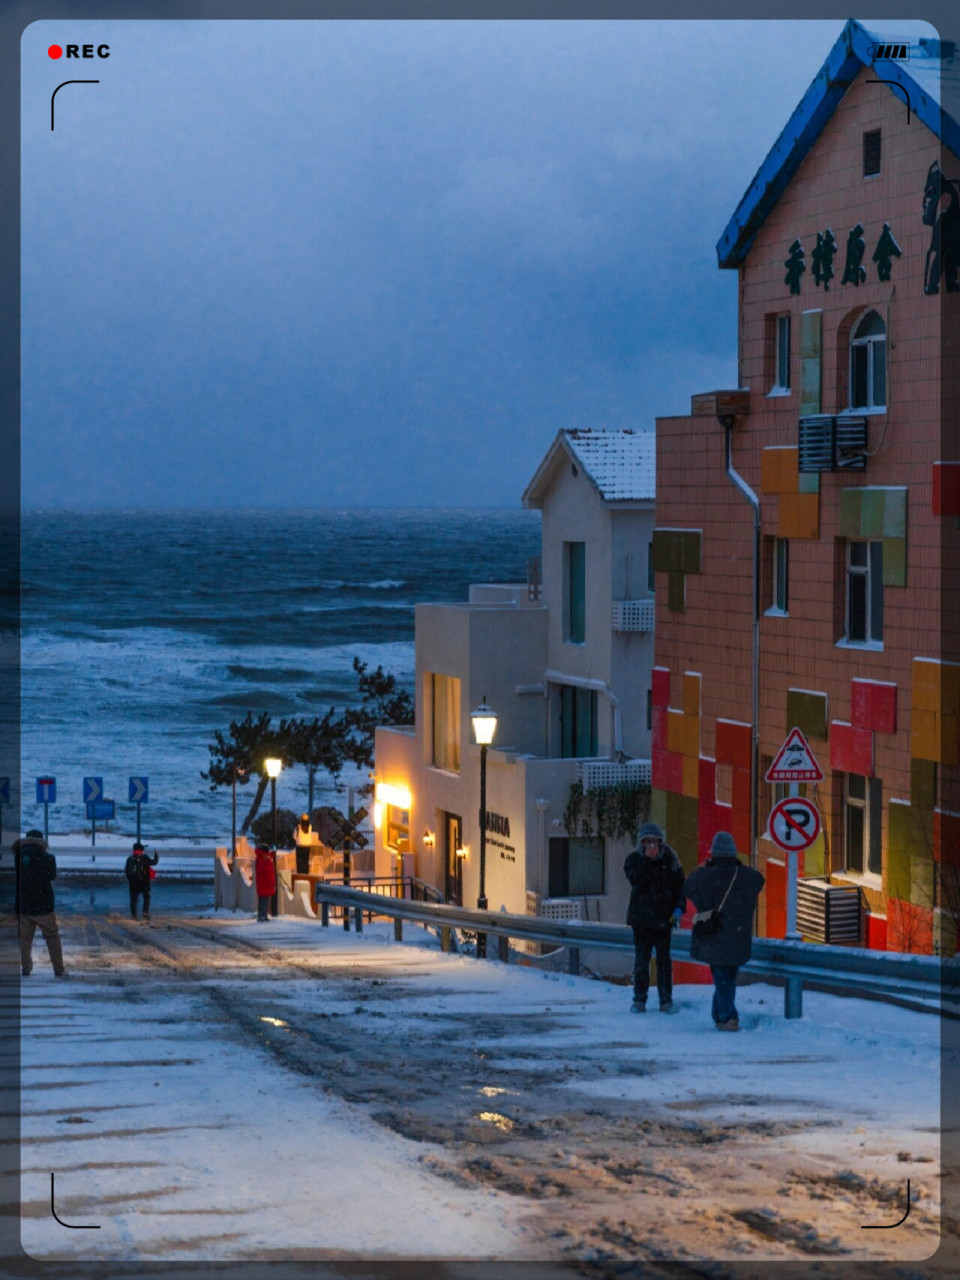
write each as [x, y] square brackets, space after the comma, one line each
[707, 923]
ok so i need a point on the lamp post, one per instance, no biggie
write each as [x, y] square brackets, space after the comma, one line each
[273, 767]
[484, 727]
[238, 772]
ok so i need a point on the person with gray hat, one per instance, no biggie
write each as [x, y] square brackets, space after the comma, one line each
[657, 900]
[725, 893]
[36, 870]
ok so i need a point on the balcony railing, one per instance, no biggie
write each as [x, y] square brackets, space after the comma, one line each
[609, 773]
[632, 615]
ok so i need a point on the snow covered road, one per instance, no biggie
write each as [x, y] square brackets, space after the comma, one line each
[210, 1088]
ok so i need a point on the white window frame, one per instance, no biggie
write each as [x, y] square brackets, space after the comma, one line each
[867, 573]
[870, 342]
[781, 577]
[863, 805]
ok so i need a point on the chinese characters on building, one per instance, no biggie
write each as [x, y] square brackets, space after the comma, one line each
[854, 272]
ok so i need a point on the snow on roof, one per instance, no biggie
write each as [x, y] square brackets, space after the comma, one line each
[929, 76]
[621, 464]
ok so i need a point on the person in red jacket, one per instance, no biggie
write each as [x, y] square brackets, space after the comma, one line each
[266, 877]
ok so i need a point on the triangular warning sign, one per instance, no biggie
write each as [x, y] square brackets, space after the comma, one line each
[795, 762]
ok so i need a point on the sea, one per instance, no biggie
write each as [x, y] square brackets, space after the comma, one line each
[144, 632]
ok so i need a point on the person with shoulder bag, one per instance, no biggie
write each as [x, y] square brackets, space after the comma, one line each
[725, 893]
[656, 905]
[139, 872]
[36, 870]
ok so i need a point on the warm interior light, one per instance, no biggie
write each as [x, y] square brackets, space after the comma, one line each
[399, 796]
[461, 851]
[484, 724]
[377, 814]
[428, 837]
[273, 766]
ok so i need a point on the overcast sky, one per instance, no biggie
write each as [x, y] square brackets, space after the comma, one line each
[377, 263]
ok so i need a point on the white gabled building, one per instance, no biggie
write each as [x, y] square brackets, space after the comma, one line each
[565, 664]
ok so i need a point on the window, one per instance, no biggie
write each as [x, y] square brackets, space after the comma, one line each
[649, 709]
[781, 380]
[398, 829]
[576, 866]
[871, 153]
[574, 592]
[781, 560]
[868, 363]
[864, 621]
[862, 819]
[578, 722]
[651, 574]
[446, 722]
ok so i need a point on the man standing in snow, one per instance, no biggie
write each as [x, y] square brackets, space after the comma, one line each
[36, 870]
[138, 874]
[729, 889]
[656, 905]
[304, 839]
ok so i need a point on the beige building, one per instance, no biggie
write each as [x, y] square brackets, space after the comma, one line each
[565, 664]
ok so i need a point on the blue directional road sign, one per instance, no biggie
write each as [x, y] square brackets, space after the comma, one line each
[4, 790]
[139, 790]
[92, 790]
[102, 810]
[46, 791]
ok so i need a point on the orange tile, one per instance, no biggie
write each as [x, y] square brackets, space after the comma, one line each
[925, 735]
[691, 776]
[788, 515]
[770, 471]
[675, 730]
[925, 694]
[789, 475]
[808, 515]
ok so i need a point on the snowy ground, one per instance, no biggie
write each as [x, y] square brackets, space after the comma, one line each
[207, 1087]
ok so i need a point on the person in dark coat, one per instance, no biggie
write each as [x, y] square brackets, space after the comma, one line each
[138, 876]
[265, 873]
[656, 905]
[36, 870]
[727, 949]
[303, 839]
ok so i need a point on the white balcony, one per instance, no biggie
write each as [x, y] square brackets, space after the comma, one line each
[608, 773]
[632, 615]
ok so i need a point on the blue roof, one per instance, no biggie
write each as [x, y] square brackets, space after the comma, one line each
[930, 62]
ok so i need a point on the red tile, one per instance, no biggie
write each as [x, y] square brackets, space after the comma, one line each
[876, 932]
[740, 830]
[661, 686]
[659, 740]
[909, 927]
[707, 788]
[674, 772]
[946, 837]
[658, 769]
[775, 892]
[741, 790]
[873, 705]
[851, 749]
[946, 488]
[733, 744]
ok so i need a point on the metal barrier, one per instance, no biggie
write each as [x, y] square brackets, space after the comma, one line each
[907, 979]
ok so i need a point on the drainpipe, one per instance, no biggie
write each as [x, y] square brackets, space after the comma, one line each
[727, 422]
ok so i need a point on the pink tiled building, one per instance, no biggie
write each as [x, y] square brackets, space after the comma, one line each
[826, 487]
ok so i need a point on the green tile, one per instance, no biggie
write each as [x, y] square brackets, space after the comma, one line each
[692, 540]
[808, 482]
[895, 513]
[909, 833]
[923, 785]
[810, 387]
[808, 713]
[850, 500]
[811, 330]
[921, 881]
[898, 874]
[661, 551]
[871, 513]
[676, 592]
[894, 562]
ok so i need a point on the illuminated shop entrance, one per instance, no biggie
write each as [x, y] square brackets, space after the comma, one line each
[453, 829]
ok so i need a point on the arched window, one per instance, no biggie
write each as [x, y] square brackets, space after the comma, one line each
[868, 363]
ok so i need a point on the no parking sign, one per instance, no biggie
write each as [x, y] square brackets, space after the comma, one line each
[794, 824]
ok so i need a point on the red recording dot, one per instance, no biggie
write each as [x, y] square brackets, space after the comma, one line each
[55, 51]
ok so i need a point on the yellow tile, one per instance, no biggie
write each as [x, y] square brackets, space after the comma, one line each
[808, 515]
[789, 475]
[675, 730]
[691, 737]
[691, 693]
[770, 471]
[787, 515]
[924, 735]
[925, 692]
[691, 776]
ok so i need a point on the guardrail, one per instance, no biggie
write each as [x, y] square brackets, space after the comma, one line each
[907, 979]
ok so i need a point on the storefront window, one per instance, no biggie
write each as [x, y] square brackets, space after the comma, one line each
[446, 723]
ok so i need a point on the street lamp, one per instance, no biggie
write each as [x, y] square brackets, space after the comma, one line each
[238, 772]
[484, 727]
[273, 767]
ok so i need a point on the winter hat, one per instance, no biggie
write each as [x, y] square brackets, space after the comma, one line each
[650, 831]
[34, 834]
[262, 848]
[723, 846]
[138, 847]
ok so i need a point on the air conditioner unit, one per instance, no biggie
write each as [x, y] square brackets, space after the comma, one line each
[837, 443]
[828, 912]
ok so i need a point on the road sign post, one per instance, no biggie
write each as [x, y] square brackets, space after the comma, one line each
[794, 763]
[138, 794]
[92, 792]
[46, 795]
